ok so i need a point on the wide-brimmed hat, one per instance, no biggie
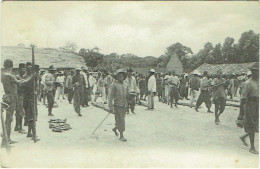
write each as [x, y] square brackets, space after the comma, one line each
[249, 73]
[28, 64]
[51, 68]
[152, 70]
[254, 66]
[195, 72]
[129, 70]
[78, 69]
[166, 77]
[121, 71]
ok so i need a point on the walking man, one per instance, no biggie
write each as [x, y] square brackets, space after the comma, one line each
[78, 82]
[173, 86]
[204, 93]
[49, 88]
[250, 98]
[194, 87]
[219, 86]
[151, 89]
[130, 82]
[118, 95]
[69, 86]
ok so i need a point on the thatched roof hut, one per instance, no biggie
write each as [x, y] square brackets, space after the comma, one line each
[43, 57]
[175, 64]
[227, 69]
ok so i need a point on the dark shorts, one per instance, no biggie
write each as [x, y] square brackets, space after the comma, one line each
[251, 115]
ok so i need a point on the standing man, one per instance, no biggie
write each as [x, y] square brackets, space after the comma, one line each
[60, 80]
[204, 93]
[141, 83]
[219, 86]
[167, 88]
[250, 98]
[69, 86]
[90, 82]
[109, 81]
[29, 102]
[19, 101]
[117, 95]
[49, 88]
[151, 89]
[101, 88]
[78, 82]
[173, 86]
[194, 87]
[10, 88]
[130, 82]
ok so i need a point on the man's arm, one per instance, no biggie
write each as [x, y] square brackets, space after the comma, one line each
[111, 97]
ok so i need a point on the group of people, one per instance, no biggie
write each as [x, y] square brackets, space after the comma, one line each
[122, 90]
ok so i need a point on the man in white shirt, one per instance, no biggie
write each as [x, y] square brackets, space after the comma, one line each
[130, 82]
[151, 89]
[173, 86]
[90, 82]
[61, 81]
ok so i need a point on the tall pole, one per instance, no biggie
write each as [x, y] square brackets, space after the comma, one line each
[34, 93]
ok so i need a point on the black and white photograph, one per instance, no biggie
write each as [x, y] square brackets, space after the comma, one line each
[129, 84]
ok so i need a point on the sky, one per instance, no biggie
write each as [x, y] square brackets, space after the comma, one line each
[142, 28]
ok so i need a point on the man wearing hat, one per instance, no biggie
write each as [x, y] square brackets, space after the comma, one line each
[69, 86]
[130, 82]
[19, 101]
[151, 89]
[118, 103]
[167, 88]
[194, 87]
[30, 103]
[173, 86]
[84, 100]
[204, 93]
[250, 100]
[49, 88]
[10, 88]
[219, 85]
[79, 83]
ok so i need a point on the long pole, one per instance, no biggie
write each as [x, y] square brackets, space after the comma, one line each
[100, 123]
[34, 98]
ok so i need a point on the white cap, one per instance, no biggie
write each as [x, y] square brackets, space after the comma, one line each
[152, 70]
[249, 73]
[195, 72]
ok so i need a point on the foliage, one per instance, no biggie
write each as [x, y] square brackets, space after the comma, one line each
[92, 57]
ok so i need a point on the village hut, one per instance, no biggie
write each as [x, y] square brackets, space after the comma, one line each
[175, 64]
[44, 57]
[227, 69]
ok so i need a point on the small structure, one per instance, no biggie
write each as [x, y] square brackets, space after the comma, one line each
[175, 64]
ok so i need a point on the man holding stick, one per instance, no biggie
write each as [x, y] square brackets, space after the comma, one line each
[118, 95]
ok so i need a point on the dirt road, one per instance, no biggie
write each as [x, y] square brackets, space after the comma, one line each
[165, 137]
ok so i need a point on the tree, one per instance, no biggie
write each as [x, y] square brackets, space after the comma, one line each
[92, 57]
[228, 51]
[249, 47]
[216, 55]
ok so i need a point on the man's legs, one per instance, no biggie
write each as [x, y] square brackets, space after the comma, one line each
[50, 99]
[59, 92]
[221, 106]
[9, 117]
[199, 101]
[152, 100]
[120, 120]
[217, 104]
[77, 101]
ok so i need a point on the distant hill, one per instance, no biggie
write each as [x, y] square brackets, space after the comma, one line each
[43, 56]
